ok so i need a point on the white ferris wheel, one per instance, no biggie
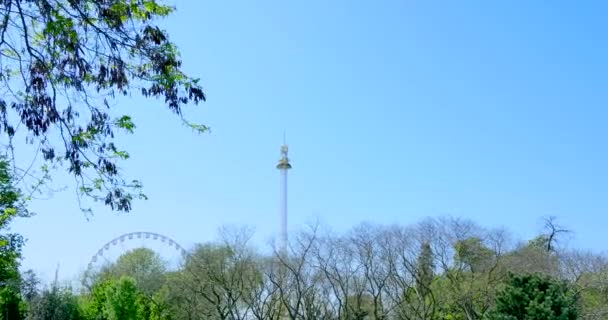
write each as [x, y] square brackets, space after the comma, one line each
[168, 249]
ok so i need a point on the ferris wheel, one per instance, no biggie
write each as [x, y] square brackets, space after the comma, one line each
[171, 251]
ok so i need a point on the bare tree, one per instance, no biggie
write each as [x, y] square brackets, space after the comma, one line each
[373, 254]
[334, 258]
[404, 300]
[552, 232]
[438, 268]
[296, 280]
[588, 274]
[263, 299]
[219, 278]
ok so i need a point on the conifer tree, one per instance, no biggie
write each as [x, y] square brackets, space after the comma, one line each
[534, 297]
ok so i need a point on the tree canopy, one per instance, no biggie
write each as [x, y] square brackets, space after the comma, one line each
[11, 207]
[63, 65]
[534, 297]
[145, 266]
[441, 269]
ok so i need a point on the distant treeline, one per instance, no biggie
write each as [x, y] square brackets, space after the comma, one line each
[437, 269]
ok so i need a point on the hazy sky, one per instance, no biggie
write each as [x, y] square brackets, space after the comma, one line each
[394, 111]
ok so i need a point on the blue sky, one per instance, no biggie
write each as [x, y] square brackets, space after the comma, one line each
[394, 111]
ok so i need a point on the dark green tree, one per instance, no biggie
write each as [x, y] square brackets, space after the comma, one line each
[63, 63]
[534, 297]
[425, 270]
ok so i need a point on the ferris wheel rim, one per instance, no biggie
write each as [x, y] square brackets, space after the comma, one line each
[169, 242]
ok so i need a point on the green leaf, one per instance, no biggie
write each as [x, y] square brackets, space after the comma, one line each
[158, 10]
[86, 190]
[198, 128]
[98, 183]
[8, 213]
[126, 123]
[121, 154]
[9, 53]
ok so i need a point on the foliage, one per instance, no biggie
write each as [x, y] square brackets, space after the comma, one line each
[116, 299]
[534, 297]
[54, 304]
[425, 271]
[124, 301]
[63, 65]
[438, 270]
[11, 206]
[93, 304]
[143, 265]
[533, 257]
[467, 287]
[11, 306]
[219, 275]
[473, 254]
[29, 286]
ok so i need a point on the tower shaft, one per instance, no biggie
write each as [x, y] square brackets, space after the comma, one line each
[283, 210]
[283, 167]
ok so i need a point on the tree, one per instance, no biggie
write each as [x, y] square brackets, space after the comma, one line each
[11, 207]
[424, 271]
[124, 301]
[11, 306]
[116, 299]
[534, 297]
[532, 257]
[143, 265]
[297, 282]
[29, 285]
[552, 232]
[588, 274]
[416, 300]
[335, 259]
[93, 304]
[473, 254]
[54, 304]
[470, 261]
[218, 278]
[64, 62]
[373, 250]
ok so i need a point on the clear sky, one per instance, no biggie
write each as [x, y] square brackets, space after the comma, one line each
[394, 110]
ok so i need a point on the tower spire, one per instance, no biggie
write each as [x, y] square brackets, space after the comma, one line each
[283, 167]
